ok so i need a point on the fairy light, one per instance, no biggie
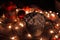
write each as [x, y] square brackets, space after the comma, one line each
[59, 31]
[57, 24]
[50, 11]
[0, 22]
[51, 31]
[48, 15]
[3, 16]
[15, 20]
[21, 24]
[56, 36]
[16, 28]
[13, 38]
[9, 26]
[29, 35]
[17, 10]
[46, 12]
[53, 15]
[57, 13]
[41, 39]
[36, 11]
[26, 12]
[41, 12]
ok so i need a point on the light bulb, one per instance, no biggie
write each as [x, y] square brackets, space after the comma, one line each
[50, 11]
[9, 26]
[21, 24]
[16, 28]
[0, 22]
[56, 36]
[26, 12]
[53, 15]
[48, 15]
[41, 39]
[51, 31]
[29, 35]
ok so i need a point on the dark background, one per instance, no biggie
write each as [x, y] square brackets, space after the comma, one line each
[44, 4]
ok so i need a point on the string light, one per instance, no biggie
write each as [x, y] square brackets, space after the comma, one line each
[0, 22]
[53, 15]
[15, 20]
[59, 31]
[36, 11]
[48, 15]
[56, 36]
[41, 39]
[57, 13]
[57, 24]
[26, 12]
[14, 38]
[17, 10]
[3, 16]
[50, 11]
[51, 31]
[9, 27]
[41, 12]
[21, 24]
[46, 12]
[29, 35]
[16, 28]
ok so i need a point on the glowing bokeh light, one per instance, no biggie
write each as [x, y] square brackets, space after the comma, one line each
[29, 35]
[51, 31]
[16, 28]
[0, 22]
[21, 24]
[56, 36]
[9, 26]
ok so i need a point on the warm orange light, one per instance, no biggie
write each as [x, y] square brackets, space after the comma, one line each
[17, 10]
[3, 16]
[16, 28]
[56, 36]
[46, 12]
[27, 12]
[51, 31]
[50, 11]
[57, 13]
[0, 22]
[15, 20]
[9, 26]
[59, 31]
[57, 24]
[53, 15]
[14, 38]
[41, 12]
[26, 9]
[48, 15]
[21, 24]
[29, 35]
